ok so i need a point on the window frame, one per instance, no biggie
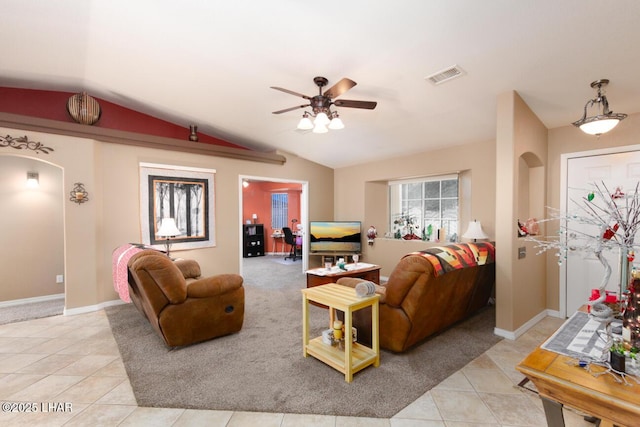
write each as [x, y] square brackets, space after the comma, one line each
[404, 219]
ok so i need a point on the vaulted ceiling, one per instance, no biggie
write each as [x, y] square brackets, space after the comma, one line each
[212, 63]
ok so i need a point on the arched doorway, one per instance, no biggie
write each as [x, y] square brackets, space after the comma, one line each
[32, 266]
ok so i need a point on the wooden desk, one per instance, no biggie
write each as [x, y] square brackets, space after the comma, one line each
[354, 357]
[275, 238]
[364, 271]
[560, 382]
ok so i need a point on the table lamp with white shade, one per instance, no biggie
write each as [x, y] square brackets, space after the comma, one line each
[168, 229]
[474, 231]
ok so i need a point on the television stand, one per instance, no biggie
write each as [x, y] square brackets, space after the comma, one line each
[335, 256]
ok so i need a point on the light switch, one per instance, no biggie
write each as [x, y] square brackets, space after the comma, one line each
[522, 252]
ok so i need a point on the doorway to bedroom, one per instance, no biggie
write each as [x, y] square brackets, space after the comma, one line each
[272, 204]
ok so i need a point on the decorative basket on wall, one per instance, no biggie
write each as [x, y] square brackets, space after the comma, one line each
[84, 109]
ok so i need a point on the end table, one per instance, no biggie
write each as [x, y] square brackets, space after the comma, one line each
[355, 356]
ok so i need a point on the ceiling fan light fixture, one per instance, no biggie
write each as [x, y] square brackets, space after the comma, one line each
[336, 122]
[320, 128]
[604, 120]
[321, 119]
[305, 122]
[321, 105]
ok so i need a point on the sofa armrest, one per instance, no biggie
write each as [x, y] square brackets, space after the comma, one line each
[214, 285]
[352, 282]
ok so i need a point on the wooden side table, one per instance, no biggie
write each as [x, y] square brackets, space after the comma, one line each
[364, 271]
[559, 381]
[355, 356]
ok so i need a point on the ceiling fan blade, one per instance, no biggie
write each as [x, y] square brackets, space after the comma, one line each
[291, 109]
[290, 92]
[369, 105]
[339, 88]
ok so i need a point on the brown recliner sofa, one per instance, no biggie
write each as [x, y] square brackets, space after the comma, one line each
[183, 308]
[429, 291]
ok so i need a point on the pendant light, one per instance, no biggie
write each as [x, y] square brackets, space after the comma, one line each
[604, 120]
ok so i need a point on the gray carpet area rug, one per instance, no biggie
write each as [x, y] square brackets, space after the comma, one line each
[31, 310]
[261, 368]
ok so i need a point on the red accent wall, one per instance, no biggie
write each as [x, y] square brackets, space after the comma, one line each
[256, 198]
[52, 105]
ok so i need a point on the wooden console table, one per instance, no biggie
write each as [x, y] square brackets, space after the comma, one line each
[364, 271]
[560, 382]
[354, 357]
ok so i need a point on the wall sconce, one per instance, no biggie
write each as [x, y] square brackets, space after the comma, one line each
[33, 179]
[78, 195]
[193, 133]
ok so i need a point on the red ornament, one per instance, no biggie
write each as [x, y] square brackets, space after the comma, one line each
[618, 194]
[609, 232]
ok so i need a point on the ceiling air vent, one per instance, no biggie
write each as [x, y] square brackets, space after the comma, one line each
[445, 75]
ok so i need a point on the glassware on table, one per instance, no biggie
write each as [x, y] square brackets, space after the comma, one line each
[337, 329]
[355, 257]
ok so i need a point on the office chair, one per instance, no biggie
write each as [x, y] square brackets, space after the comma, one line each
[290, 239]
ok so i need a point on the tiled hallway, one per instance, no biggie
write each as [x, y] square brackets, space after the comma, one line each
[75, 359]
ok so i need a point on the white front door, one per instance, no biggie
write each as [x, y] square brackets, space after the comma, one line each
[584, 271]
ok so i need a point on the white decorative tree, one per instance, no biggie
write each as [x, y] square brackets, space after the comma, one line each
[616, 220]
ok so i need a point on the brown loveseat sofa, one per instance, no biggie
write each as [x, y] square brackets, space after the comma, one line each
[429, 291]
[182, 308]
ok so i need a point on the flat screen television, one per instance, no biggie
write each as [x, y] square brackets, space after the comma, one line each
[335, 236]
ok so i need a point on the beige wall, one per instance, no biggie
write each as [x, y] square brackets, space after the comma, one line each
[31, 229]
[493, 174]
[361, 193]
[568, 139]
[521, 156]
[111, 217]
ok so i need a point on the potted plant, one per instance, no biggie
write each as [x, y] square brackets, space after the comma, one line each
[617, 356]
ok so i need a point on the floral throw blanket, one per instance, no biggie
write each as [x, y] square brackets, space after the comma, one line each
[458, 255]
[120, 258]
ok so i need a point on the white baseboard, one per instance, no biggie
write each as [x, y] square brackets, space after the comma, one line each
[513, 335]
[554, 313]
[91, 308]
[32, 299]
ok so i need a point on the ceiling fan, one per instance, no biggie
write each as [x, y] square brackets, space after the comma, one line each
[321, 103]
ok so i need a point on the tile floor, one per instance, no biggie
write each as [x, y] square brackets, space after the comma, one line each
[74, 361]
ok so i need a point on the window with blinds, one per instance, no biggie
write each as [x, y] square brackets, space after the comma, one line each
[279, 210]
